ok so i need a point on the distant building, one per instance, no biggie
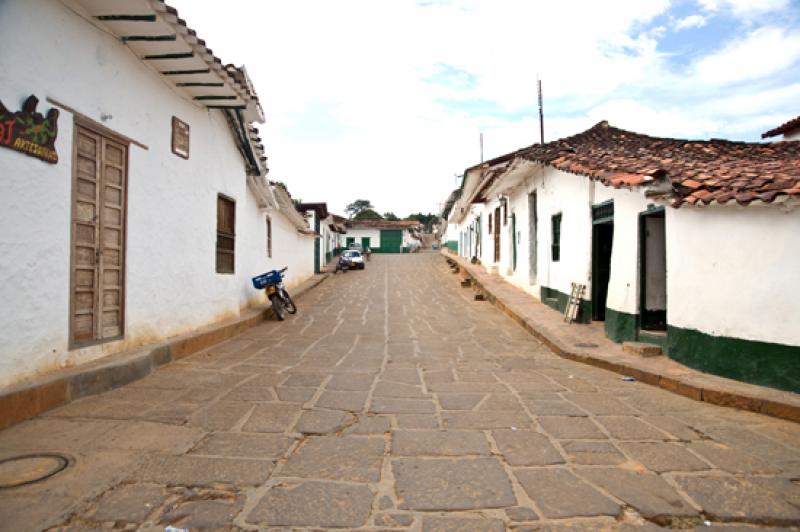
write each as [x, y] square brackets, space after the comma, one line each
[328, 233]
[383, 236]
[694, 245]
[790, 130]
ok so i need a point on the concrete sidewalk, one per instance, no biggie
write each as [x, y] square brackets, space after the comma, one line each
[55, 389]
[570, 341]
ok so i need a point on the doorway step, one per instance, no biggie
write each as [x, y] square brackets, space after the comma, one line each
[653, 337]
[642, 349]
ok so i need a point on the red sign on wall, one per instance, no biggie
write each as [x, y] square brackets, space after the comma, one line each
[29, 132]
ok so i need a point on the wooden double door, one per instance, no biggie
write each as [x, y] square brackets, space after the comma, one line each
[97, 283]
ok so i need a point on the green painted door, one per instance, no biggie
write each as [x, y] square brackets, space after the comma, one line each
[317, 268]
[391, 240]
[514, 241]
[349, 241]
[365, 242]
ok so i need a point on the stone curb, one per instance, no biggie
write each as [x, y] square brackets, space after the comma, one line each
[689, 383]
[26, 401]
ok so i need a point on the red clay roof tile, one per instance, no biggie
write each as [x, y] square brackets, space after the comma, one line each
[712, 170]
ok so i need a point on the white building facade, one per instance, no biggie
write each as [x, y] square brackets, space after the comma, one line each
[383, 236]
[156, 213]
[703, 270]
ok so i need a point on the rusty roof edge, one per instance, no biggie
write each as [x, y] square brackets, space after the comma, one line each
[243, 88]
[787, 126]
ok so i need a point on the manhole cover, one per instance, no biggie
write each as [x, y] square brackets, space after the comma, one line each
[30, 468]
[584, 344]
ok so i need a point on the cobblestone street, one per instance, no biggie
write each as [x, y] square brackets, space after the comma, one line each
[393, 400]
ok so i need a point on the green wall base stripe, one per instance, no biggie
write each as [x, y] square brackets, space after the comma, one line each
[452, 245]
[621, 326]
[558, 300]
[767, 364]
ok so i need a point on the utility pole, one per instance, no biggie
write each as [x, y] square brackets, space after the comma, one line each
[541, 112]
[481, 138]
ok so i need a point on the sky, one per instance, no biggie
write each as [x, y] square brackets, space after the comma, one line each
[386, 100]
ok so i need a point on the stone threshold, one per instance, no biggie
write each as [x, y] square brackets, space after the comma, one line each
[548, 326]
[28, 400]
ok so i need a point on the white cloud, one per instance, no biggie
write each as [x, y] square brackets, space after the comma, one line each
[745, 7]
[763, 52]
[692, 21]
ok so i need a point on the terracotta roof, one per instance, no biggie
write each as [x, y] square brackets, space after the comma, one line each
[382, 224]
[320, 208]
[448, 204]
[786, 127]
[699, 171]
[160, 38]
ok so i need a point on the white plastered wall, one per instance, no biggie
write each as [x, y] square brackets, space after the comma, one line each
[374, 236]
[171, 283]
[570, 195]
[743, 264]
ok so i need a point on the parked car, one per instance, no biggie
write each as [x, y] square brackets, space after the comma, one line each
[355, 257]
[354, 245]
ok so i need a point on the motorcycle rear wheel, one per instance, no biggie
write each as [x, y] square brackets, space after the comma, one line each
[278, 307]
[290, 306]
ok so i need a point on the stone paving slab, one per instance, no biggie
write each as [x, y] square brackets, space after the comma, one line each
[452, 484]
[732, 499]
[439, 443]
[347, 458]
[526, 448]
[559, 493]
[316, 504]
[239, 445]
[650, 494]
[461, 524]
[202, 471]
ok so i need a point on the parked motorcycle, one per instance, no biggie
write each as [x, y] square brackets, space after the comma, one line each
[272, 283]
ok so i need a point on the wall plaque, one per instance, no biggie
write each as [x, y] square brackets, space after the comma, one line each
[180, 137]
[29, 132]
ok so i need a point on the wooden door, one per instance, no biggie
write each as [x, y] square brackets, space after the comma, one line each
[497, 234]
[98, 238]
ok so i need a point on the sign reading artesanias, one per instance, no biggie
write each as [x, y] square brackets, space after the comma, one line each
[29, 132]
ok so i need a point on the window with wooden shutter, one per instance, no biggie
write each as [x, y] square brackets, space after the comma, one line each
[226, 234]
[555, 247]
[269, 237]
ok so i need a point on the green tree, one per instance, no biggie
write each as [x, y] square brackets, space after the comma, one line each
[427, 220]
[367, 214]
[358, 206]
[390, 216]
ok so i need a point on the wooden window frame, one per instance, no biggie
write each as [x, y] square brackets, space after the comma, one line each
[177, 124]
[269, 237]
[555, 234]
[223, 234]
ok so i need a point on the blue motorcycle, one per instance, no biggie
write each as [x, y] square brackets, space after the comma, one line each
[272, 283]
